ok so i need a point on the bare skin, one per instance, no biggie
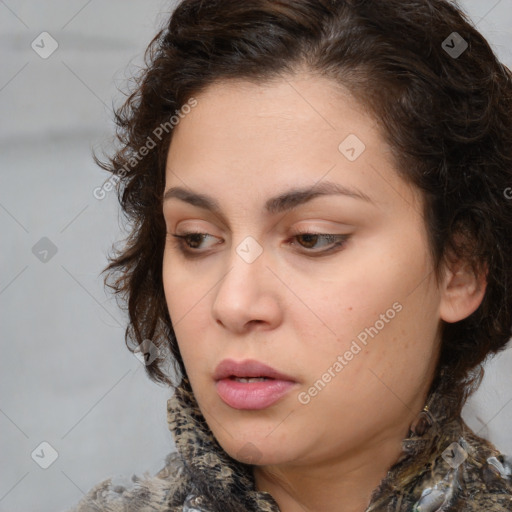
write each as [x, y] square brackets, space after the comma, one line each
[297, 307]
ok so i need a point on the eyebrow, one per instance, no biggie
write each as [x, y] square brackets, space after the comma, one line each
[283, 202]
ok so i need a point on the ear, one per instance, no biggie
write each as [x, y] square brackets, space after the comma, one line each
[462, 290]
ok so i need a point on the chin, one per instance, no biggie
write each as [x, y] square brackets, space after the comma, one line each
[258, 452]
[252, 437]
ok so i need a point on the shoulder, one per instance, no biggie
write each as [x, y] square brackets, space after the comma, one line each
[142, 493]
[487, 474]
[469, 474]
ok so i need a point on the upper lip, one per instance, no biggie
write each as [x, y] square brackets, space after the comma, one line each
[248, 368]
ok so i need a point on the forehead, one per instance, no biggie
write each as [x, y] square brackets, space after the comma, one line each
[261, 137]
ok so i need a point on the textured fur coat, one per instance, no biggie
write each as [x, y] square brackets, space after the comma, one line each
[444, 467]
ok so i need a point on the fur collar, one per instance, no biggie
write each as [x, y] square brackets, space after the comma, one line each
[201, 477]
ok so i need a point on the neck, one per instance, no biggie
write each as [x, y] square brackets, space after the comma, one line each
[343, 485]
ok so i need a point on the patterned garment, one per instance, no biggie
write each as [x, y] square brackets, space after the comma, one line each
[444, 467]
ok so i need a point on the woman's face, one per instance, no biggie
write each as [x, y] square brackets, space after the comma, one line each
[347, 315]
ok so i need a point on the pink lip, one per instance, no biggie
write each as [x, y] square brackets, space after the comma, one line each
[250, 395]
[247, 368]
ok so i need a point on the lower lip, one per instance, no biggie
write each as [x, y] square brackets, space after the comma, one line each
[252, 395]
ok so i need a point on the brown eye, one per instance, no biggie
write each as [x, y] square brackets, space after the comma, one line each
[190, 243]
[309, 241]
[194, 239]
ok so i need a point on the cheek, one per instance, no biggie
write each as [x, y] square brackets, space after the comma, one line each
[381, 315]
[181, 297]
[183, 290]
[357, 382]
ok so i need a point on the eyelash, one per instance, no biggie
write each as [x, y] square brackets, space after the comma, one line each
[184, 247]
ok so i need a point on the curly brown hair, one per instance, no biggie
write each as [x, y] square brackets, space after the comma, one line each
[447, 116]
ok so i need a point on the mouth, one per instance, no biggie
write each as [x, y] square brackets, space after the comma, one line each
[250, 385]
[250, 379]
[249, 370]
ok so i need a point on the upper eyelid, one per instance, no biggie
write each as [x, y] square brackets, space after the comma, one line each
[294, 232]
[223, 224]
[330, 225]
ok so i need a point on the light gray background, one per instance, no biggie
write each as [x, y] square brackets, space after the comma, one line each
[66, 376]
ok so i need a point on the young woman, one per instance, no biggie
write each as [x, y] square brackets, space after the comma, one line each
[319, 193]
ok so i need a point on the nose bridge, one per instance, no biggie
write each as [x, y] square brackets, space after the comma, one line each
[249, 250]
[242, 294]
[246, 263]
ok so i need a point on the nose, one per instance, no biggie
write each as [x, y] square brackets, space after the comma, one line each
[247, 297]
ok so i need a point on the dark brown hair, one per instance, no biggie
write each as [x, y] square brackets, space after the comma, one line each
[447, 117]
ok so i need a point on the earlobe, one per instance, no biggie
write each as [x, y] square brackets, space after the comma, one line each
[462, 291]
